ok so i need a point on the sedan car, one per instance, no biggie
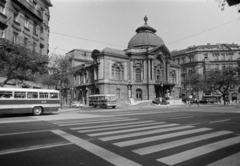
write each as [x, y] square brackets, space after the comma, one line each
[75, 104]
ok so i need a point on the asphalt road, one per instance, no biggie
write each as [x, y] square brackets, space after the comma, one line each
[183, 136]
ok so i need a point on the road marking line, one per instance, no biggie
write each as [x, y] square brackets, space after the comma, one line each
[97, 150]
[110, 125]
[119, 127]
[182, 117]
[97, 122]
[124, 131]
[34, 148]
[24, 132]
[173, 144]
[157, 138]
[233, 160]
[220, 121]
[87, 120]
[196, 152]
[145, 132]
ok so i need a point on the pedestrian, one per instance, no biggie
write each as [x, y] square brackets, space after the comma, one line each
[81, 104]
[190, 99]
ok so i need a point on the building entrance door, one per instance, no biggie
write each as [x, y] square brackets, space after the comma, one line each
[138, 94]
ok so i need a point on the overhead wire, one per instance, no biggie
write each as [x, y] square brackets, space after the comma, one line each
[57, 33]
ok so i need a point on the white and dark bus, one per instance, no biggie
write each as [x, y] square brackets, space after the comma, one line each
[103, 100]
[24, 100]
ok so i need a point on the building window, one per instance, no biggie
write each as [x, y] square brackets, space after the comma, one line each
[118, 73]
[26, 22]
[16, 16]
[35, 27]
[15, 37]
[34, 47]
[2, 9]
[158, 75]
[2, 33]
[41, 29]
[25, 42]
[138, 75]
[41, 49]
[118, 93]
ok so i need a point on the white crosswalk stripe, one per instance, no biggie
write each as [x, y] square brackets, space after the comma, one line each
[160, 147]
[189, 154]
[94, 122]
[159, 137]
[110, 125]
[127, 130]
[162, 136]
[146, 132]
[121, 127]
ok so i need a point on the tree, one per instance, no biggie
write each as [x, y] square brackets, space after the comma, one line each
[222, 4]
[60, 75]
[221, 81]
[19, 64]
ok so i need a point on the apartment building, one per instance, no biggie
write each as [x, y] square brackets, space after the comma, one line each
[25, 23]
[193, 58]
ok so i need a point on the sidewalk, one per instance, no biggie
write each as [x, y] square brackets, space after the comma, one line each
[87, 109]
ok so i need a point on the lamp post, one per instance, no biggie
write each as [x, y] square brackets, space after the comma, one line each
[129, 85]
[173, 96]
[161, 89]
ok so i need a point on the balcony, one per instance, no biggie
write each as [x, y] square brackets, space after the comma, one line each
[30, 8]
[3, 21]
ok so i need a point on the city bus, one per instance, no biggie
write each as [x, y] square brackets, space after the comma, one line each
[103, 100]
[24, 100]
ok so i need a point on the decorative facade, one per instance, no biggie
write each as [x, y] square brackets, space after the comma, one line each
[218, 56]
[143, 71]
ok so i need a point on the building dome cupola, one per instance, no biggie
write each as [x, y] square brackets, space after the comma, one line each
[145, 37]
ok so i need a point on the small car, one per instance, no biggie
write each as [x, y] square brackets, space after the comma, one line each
[157, 101]
[75, 104]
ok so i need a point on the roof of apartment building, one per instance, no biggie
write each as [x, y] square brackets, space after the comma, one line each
[207, 46]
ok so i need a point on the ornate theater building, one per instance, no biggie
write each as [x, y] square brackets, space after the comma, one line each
[143, 71]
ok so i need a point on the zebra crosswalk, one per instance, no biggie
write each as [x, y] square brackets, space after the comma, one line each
[169, 143]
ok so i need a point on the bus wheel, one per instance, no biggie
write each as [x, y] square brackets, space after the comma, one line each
[113, 106]
[37, 111]
[105, 106]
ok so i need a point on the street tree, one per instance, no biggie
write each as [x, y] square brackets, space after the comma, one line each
[20, 64]
[197, 83]
[60, 75]
[221, 81]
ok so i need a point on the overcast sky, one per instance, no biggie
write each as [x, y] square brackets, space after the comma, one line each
[97, 24]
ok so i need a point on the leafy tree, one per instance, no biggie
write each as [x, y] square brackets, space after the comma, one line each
[19, 64]
[222, 4]
[221, 81]
[60, 75]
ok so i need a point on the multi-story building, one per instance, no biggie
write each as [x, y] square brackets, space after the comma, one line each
[25, 22]
[194, 59]
[143, 71]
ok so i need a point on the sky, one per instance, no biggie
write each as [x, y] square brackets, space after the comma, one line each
[97, 24]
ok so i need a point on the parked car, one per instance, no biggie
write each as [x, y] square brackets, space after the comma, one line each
[75, 104]
[158, 101]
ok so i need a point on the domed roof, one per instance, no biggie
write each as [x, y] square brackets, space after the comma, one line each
[145, 37]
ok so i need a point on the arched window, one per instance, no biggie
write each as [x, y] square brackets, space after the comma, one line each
[118, 93]
[158, 75]
[118, 73]
[138, 75]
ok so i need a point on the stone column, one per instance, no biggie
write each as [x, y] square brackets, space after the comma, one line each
[145, 69]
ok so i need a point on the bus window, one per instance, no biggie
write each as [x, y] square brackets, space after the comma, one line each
[5, 94]
[54, 95]
[43, 95]
[32, 95]
[19, 94]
